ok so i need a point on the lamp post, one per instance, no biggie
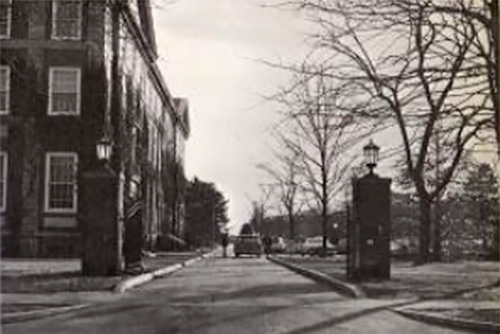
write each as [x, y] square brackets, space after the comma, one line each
[371, 155]
[369, 229]
[213, 222]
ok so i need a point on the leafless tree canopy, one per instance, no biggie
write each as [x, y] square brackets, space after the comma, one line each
[426, 67]
[314, 139]
[285, 173]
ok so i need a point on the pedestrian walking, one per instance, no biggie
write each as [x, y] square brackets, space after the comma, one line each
[224, 242]
[267, 244]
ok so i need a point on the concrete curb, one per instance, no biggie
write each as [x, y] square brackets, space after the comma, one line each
[476, 326]
[132, 282]
[8, 318]
[347, 289]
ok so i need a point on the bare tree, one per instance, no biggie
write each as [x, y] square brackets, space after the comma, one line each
[481, 17]
[284, 171]
[317, 135]
[260, 207]
[406, 64]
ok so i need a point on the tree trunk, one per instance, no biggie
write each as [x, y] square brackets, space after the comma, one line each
[291, 221]
[425, 229]
[496, 241]
[496, 238]
[436, 244]
[323, 228]
[324, 211]
[324, 218]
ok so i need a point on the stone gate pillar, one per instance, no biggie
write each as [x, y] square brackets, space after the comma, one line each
[369, 254]
[101, 222]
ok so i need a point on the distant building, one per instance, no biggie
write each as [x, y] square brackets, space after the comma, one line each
[71, 71]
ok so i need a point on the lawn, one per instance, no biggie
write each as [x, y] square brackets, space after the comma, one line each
[457, 282]
[434, 280]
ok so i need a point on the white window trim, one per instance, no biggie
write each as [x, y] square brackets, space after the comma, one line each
[53, 25]
[9, 20]
[5, 112]
[47, 208]
[78, 93]
[3, 208]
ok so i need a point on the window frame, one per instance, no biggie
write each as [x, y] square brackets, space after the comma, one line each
[78, 93]
[47, 207]
[55, 4]
[7, 90]
[5, 167]
[9, 19]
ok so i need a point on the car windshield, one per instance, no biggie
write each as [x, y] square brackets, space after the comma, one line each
[316, 242]
[315, 239]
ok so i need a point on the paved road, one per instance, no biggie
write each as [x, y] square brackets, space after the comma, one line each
[246, 295]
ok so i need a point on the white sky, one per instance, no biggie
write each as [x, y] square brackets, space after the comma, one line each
[208, 51]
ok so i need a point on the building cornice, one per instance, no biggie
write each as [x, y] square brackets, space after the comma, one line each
[150, 58]
[138, 33]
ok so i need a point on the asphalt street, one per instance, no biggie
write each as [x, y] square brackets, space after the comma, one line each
[244, 295]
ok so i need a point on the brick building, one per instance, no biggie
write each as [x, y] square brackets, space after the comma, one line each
[70, 72]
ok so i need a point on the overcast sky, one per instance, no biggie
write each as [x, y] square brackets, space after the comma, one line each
[209, 52]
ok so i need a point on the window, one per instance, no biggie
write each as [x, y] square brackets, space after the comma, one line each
[66, 19]
[64, 85]
[4, 89]
[60, 182]
[5, 18]
[3, 181]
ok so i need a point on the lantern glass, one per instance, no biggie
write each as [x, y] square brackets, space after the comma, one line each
[103, 149]
[371, 154]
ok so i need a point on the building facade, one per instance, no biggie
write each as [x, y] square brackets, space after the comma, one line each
[71, 72]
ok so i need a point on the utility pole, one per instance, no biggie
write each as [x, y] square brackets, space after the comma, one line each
[347, 207]
[213, 223]
[175, 184]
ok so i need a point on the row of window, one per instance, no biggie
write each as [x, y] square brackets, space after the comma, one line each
[64, 90]
[66, 19]
[60, 182]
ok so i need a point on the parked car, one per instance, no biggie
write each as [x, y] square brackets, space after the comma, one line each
[247, 244]
[342, 246]
[314, 246]
[278, 245]
[294, 246]
[399, 249]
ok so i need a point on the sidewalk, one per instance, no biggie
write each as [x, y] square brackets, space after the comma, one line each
[463, 294]
[33, 288]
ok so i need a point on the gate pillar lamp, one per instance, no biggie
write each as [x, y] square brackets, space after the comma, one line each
[104, 148]
[368, 240]
[371, 155]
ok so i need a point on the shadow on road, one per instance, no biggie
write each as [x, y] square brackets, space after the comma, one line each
[346, 318]
[267, 291]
